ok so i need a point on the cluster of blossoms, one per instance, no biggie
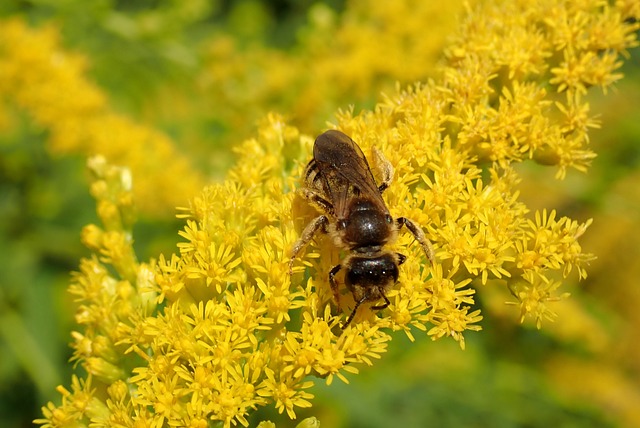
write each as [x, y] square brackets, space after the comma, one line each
[50, 84]
[337, 50]
[221, 329]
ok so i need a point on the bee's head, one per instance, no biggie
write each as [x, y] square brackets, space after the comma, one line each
[371, 275]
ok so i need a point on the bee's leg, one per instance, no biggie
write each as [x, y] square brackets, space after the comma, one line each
[353, 313]
[334, 285]
[401, 258]
[308, 233]
[420, 237]
[316, 200]
[384, 305]
[385, 168]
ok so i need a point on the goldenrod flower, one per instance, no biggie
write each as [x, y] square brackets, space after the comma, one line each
[336, 51]
[221, 328]
[49, 84]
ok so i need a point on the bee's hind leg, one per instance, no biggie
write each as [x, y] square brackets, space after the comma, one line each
[385, 168]
[417, 232]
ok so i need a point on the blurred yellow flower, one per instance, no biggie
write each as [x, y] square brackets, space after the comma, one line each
[50, 85]
[339, 59]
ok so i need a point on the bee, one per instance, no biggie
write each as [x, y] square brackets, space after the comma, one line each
[339, 183]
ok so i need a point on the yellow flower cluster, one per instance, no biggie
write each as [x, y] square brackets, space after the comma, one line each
[221, 328]
[49, 84]
[335, 50]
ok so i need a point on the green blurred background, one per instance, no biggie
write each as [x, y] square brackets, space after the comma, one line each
[204, 73]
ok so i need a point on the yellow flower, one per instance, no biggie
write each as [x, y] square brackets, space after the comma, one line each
[241, 85]
[222, 328]
[286, 393]
[50, 85]
[533, 295]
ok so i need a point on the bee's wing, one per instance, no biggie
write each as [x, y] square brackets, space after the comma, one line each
[345, 171]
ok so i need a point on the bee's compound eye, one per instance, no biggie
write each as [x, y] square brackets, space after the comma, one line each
[389, 219]
[341, 224]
